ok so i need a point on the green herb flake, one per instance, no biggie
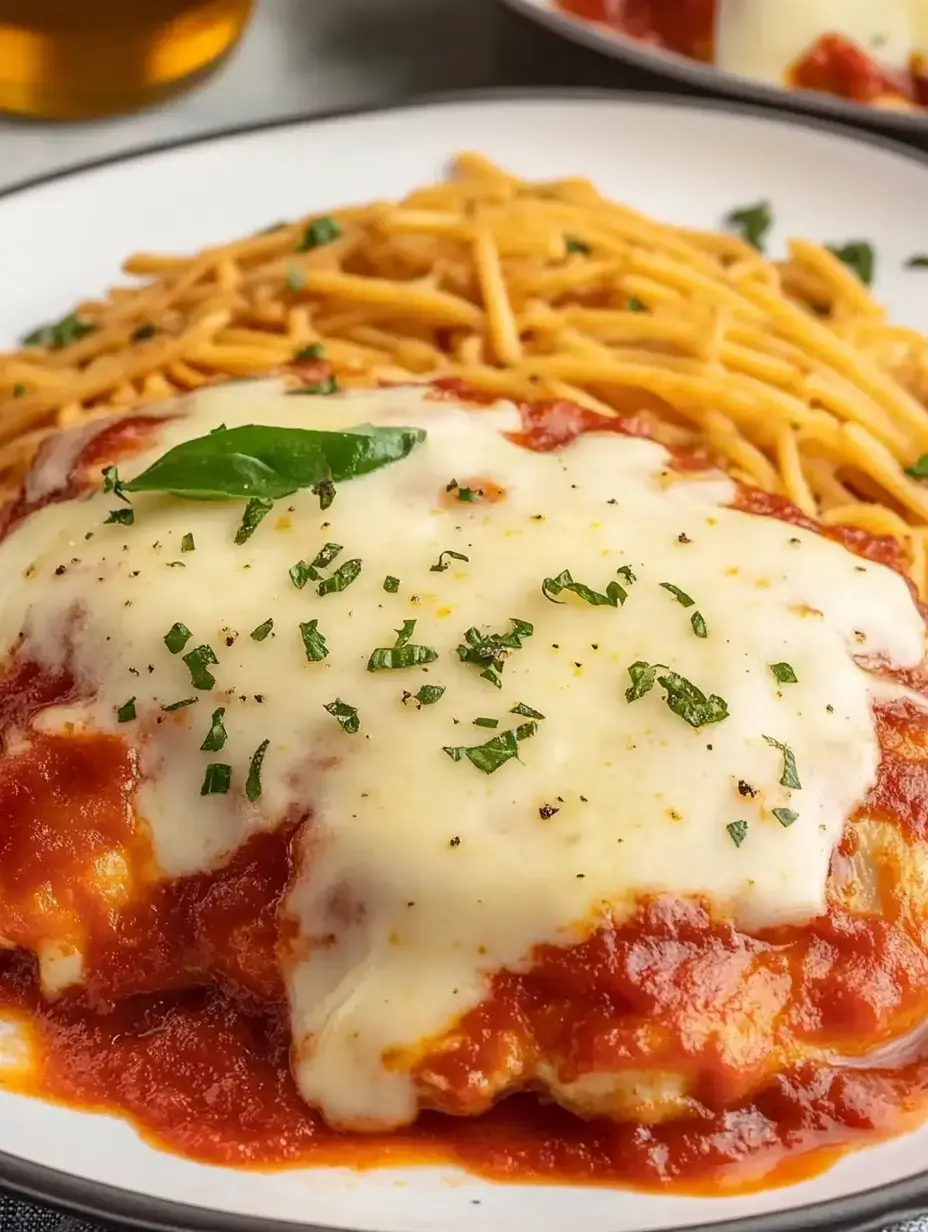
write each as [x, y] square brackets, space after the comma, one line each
[19, 390]
[314, 350]
[636, 305]
[790, 776]
[643, 676]
[217, 779]
[303, 572]
[402, 653]
[484, 722]
[784, 673]
[177, 638]
[256, 511]
[346, 715]
[467, 495]
[186, 701]
[690, 703]
[551, 587]
[295, 280]
[526, 711]
[496, 752]
[187, 544]
[680, 595]
[320, 231]
[122, 517]
[126, 712]
[859, 257]
[429, 694]
[918, 260]
[216, 736]
[341, 579]
[329, 385]
[919, 468]
[313, 641]
[752, 223]
[391, 584]
[325, 490]
[263, 630]
[58, 334]
[326, 555]
[738, 831]
[574, 245]
[785, 817]
[253, 782]
[198, 662]
[699, 625]
[441, 564]
[143, 332]
[489, 651]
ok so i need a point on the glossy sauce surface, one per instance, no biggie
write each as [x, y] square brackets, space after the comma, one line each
[193, 1044]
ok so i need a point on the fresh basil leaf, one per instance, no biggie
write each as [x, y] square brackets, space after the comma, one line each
[325, 490]
[320, 231]
[187, 544]
[738, 830]
[690, 703]
[326, 555]
[496, 752]
[785, 817]
[342, 578]
[402, 653]
[489, 651]
[429, 694]
[303, 572]
[483, 722]
[699, 625]
[643, 676]
[859, 257]
[123, 517]
[346, 715]
[186, 701]
[391, 584]
[256, 511]
[216, 736]
[441, 564]
[263, 630]
[751, 222]
[177, 638]
[526, 711]
[790, 775]
[680, 595]
[126, 712]
[217, 779]
[253, 782]
[314, 350]
[552, 587]
[919, 468]
[198, 662]
[261, 461]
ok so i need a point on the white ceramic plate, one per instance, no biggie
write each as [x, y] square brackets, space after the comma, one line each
[669, 64]
[62, 239]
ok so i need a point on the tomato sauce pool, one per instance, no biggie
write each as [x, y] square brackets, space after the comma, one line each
[181, 1026]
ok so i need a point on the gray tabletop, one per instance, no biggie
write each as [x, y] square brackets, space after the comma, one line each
[306, 56]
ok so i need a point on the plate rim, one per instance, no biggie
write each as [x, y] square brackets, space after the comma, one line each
[618, 46]
[868, 1210]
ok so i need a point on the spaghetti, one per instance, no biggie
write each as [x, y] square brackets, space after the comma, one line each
[788, 373]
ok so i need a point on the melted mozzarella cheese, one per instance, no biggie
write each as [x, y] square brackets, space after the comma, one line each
[418, 875]
[764, 40]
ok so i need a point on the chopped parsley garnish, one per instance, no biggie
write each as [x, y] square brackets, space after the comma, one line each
[258, 460]
[738, 830]
[496, 752]
[784, 673]
[680, 595]
[752, 223]
[320, 231]
[313, 642]
[313, 350]
[256, 511]
[112, 482]
[441, 564]
[682, 696]
[217, 779]
[919, 468]
[636, 305]
[346, 715]
[186, 701]
[197, 662]
[699, 625]
[187, 544]
[790, 776]
[126, 712]
[625, 572]
[572, 244]
[469, 495]
[402, 653]
[58, 334]
[552, 587]
[124, 517]
[144, 331]
[303, 572]
[785, 816]
[484, 722]
[216, 736]
[391, 584]
[295, 280]
[428, 695]
[326, 555]
[19, 390]
[343, 576]
[526, 711]
[918, 260]
[859, 257]
[177, 637]
[253, 782]
[263, 630]
[490, 650]
[324, 489]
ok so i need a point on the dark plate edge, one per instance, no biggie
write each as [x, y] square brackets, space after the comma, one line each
[867, 1211]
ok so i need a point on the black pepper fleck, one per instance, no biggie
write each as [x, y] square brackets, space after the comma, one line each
[61, 569]
[683, 537]
[455, 842]
[546, 811]
[745, 789]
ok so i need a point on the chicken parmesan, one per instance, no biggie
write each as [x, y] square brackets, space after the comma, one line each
[471, 751]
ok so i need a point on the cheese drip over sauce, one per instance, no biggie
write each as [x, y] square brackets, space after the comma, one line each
[419, 876]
